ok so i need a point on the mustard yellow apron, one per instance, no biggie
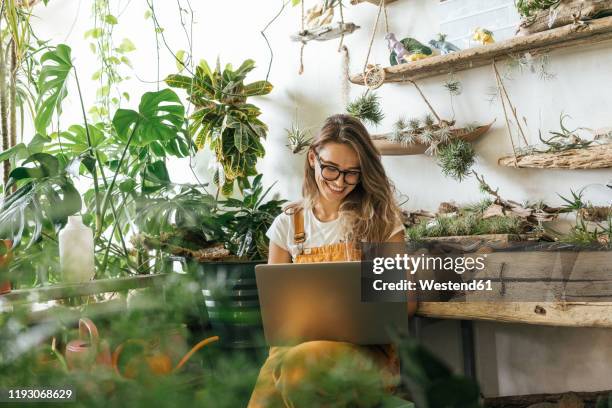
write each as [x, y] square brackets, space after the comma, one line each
[294, 377]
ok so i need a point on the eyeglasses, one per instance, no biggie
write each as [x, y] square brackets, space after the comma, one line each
[331, 173]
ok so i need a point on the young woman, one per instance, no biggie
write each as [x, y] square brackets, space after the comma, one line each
[347, 199]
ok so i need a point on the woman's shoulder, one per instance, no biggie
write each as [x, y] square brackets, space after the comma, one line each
[292, 208]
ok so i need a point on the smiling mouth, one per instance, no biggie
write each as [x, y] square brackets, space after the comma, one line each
[334, 189]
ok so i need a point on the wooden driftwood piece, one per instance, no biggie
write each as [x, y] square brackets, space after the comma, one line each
[325, 33]
[566, 314]
[563, 37]
[387, 147]
[588, 399]
[565, 13]
[592, 157]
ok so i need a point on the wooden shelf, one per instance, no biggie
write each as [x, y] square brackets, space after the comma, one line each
[93, 287]
[563, 37]
[592, 157]
[387, 147]
[568, 314]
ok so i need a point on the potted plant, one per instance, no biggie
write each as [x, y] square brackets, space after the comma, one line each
[224, 120]
[229, 286]
[221, 242]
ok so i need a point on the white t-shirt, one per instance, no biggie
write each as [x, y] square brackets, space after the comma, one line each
[318, 233]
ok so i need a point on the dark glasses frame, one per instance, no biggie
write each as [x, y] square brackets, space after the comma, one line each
[345, 173]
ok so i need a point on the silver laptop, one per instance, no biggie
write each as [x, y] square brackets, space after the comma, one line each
[322, 301]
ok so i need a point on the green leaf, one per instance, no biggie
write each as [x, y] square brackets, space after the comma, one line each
[147, 14]
[158, 173]
[110, 19]
[52, 83]
[127, 186]
[180, 60]
[258, 88]
[94, 33]
[126, 46]
[160, 117]
[16, 151]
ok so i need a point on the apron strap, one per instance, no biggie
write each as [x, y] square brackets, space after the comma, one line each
[298, 226]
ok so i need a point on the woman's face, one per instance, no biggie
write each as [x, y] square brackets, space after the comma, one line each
[341, 157]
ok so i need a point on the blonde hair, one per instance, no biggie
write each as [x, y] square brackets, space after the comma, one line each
[370, 212]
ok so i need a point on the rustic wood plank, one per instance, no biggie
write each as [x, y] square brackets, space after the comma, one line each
[566, 314]
[388, 147]
[564, 14]
[563, 37]
[93, 287]
[522, 401]
[325, 33]
[592, 157]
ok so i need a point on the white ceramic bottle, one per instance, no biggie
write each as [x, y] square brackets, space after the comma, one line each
[76, 247]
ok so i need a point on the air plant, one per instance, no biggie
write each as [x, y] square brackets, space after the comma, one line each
[298, 139]
[564, 139]
[529, 8]
[456, 159]
[367, 108]
[453, 86]
[527, 62]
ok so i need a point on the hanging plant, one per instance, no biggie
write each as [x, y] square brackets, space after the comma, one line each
[456, 159]
[367, 108]
[298, 139]
[223, 120]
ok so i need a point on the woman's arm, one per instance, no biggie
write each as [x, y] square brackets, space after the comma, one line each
[412, 302]
[278, 255]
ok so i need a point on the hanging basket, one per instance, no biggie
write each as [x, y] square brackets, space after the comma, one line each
[387, 147]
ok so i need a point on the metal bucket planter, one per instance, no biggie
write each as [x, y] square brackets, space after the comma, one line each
[230, 295]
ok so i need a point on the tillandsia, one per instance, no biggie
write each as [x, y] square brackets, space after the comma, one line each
[298, 138]
[367, 108]
[564, 139]
[453, 86]
[528, 63]
[529, 8]
[425, 132]
[456, 159]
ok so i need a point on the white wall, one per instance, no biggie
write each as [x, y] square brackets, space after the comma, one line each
[530, 360]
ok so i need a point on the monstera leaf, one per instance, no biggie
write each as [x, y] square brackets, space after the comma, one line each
[160, 118]
[52, 85]
[45, 195]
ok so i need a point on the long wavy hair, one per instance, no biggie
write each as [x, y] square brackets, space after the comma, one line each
[370, 212]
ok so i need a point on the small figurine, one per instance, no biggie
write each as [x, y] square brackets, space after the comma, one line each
[483, 36]
[407, 50]
[444, 46]
[401, 54]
